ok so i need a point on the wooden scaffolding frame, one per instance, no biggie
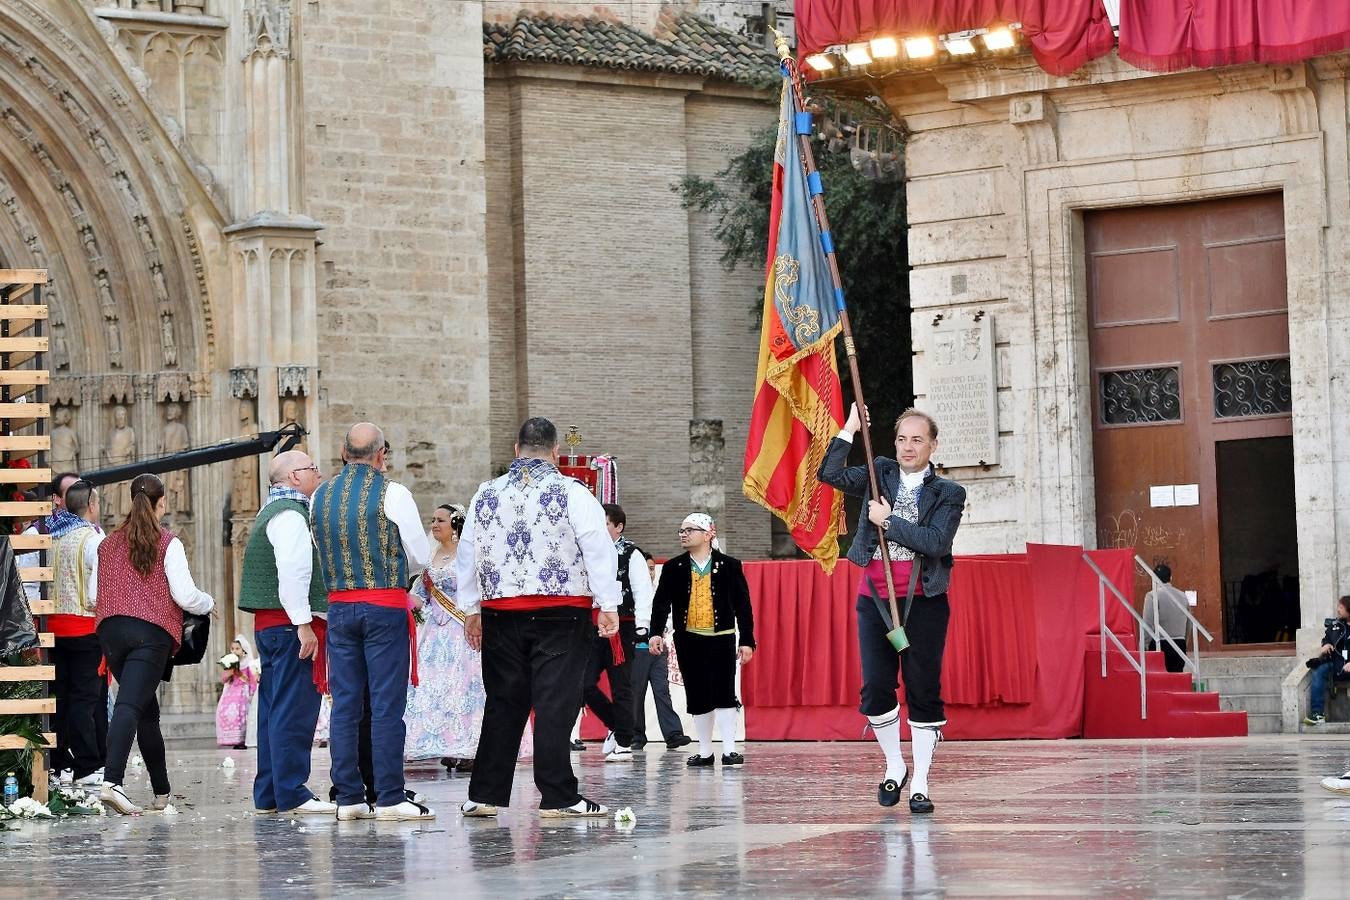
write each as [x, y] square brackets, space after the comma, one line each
[24, 435]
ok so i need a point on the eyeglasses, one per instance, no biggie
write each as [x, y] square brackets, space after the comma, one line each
[683, 531]
[310, 468]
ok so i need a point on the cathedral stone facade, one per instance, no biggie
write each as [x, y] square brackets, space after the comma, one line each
[257, 212]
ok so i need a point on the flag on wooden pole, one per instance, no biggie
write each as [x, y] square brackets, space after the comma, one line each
[799, 402]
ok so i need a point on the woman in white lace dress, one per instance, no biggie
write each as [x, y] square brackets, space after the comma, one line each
[445, 713]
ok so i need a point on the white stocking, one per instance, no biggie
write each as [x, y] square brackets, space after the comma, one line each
[727, 721]
[703, 726]
[887, 729]
[925, 739]
[576, 729]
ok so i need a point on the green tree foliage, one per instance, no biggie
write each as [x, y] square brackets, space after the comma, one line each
[867, 219]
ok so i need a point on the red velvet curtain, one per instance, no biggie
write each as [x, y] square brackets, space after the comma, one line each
[1166, 35]
[1064, 34]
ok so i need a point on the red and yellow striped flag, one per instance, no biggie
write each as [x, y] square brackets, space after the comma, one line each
[799, 402]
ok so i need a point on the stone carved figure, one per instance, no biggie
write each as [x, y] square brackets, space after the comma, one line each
[167, 343]
[244, 484]
[174, 439]
[65, 453]
[120, 449]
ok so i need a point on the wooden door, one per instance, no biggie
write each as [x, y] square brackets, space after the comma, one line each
[1189, 348]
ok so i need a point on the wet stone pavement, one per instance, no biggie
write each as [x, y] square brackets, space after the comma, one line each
[1240, 817]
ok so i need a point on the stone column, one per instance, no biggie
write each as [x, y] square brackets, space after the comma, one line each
[707, 462]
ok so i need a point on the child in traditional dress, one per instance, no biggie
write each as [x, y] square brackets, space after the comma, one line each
[241, 683]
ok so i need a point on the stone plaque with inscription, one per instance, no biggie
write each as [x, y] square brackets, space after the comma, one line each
[963, 391]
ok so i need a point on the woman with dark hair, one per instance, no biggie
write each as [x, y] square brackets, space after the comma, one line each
[144, 586]
[445, 712]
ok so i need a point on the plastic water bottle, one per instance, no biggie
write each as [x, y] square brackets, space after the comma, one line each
[11, 789]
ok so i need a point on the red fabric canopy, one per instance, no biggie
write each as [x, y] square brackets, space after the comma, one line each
[1165, 35]
[1063, 34]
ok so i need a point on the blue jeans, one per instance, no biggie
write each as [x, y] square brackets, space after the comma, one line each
[288, 711]
[367, 649]
[1321, 680]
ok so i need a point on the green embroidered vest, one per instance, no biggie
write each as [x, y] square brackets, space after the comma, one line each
[258, 583]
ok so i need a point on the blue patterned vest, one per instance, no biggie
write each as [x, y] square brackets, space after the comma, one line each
[358, 547]
[524, 544]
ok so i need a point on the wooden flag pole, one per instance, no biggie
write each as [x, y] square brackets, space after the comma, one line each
[897, 634]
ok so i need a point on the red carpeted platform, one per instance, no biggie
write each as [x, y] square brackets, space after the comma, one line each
[1022, 658]
[1019, 641]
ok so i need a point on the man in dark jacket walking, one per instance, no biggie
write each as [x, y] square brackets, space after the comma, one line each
[919, 514]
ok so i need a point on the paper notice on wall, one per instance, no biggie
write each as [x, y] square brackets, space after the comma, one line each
[1186, 494]
[1161, 495]
[1191, 598]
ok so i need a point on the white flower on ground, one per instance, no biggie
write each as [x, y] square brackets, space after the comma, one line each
[169, 810]
[625, 816]
[227, 763]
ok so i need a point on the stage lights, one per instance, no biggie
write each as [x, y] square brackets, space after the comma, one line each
[999, 39]
[894, 52]
[885, 48]
[920, 47]
[857, 55]
[962, 44]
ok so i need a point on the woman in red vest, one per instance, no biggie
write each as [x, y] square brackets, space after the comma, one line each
[143, 587]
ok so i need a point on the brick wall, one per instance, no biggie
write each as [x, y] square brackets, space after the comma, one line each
[725, 328]
[393, 134]
[609, 309]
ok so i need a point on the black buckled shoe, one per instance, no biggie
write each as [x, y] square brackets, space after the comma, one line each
[732, 760]
[578, 746]
[919, 803]
[701, 762]
[888, 792]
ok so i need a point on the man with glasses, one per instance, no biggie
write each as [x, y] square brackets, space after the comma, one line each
[706, 592]
[282, 585]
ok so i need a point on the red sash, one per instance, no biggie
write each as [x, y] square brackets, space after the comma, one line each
[390, 598]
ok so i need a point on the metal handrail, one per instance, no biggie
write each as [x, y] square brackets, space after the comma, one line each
[1190, 657]
[1103, 583]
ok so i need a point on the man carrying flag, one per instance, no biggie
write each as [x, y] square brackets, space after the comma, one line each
[793, 467]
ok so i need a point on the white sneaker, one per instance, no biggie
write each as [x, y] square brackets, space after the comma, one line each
[116, 799]
[1336, 785]
[354, 811]
[610, 743]
[472, 810]
[582, 809]
[404, 812]
[93, 779]
[68, 776]
[620, 754]
[160, 803]
[312, 807]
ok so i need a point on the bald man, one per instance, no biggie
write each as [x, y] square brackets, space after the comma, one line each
[371, 541]
[282, 585]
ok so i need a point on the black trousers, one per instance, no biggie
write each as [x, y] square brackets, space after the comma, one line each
[1175, 661]
[531, 660]
[78, 694]
[138, 655]
[615, 710]
[708, 664]
[920, 664]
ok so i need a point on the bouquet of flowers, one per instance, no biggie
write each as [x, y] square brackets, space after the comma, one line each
[229, 661]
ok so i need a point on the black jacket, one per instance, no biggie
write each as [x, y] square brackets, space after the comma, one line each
[1337, 635]
[941, 503]
[731, 597]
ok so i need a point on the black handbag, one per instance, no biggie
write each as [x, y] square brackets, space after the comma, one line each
[196, 635]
